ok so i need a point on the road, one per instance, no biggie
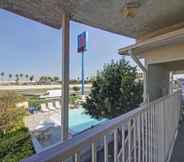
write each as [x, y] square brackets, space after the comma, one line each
[40, 89]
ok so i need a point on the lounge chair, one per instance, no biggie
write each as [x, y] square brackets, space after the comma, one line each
[44, 108]
[58, 105]
[50, 106]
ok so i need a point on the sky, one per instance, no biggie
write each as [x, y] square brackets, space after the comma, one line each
[29, 47]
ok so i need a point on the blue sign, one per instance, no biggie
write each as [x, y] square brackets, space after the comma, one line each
[82, 42]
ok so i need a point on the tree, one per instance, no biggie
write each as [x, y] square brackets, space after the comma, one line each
[17, 77]
[2, 75]
[31, 78]
[27, 76]
[9, 114]
[55, 78]
[114, 91]
[10, 76]
[43, 79]
[76, 89]
[21, 75]
[15, 140]
[50, 79]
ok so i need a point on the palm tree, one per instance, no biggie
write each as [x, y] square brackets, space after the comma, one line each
[31, 78]
[10, 76]
[27, 76]
[17, 77]
[21, 75]
[2, 75]
[55, 78]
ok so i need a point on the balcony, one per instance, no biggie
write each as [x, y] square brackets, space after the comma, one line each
[147, 133]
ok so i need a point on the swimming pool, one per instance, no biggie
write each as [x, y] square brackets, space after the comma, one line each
[79, 121]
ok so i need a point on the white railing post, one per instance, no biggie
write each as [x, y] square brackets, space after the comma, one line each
[105, 149]
[143, 137]
[134, 139]
[146, 136]
[115, 145]
[77, 157]
[139, 137]
[93, 150]
[123, 144]
[129, 141]
[162, 138]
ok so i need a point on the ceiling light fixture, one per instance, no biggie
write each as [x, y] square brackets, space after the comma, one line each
[130, 7]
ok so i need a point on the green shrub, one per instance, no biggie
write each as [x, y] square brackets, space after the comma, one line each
[73, 99]
[16, 147]
[35, 103]
[114, 91]
[76, 89]
[15, 140]
[11, 117]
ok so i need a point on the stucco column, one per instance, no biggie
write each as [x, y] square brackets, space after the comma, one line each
[158, 81]
[65, 77]
[145, 88]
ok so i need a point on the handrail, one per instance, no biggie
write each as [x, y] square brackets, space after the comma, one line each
[74, 145]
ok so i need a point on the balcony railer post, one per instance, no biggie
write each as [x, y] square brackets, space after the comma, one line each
[65, 76]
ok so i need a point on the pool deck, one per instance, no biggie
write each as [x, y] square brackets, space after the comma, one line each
[32, 121]
[39, 125]
[45, 127]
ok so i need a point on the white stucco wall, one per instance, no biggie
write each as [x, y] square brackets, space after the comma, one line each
[165, 54]
[158, 81]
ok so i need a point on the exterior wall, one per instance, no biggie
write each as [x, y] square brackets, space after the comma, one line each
[165, 54]
[159, 63]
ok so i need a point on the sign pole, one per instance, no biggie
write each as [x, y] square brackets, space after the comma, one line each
[82, 78]
[81, 49]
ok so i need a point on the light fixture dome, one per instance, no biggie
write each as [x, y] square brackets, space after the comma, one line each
[130, 7]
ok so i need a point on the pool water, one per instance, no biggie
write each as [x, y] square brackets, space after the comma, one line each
[79, 121]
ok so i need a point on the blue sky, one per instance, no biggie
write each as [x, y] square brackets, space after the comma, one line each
[32, 48]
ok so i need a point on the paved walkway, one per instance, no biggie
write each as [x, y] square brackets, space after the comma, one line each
[178, 152]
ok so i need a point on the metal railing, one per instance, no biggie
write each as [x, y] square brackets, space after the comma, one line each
[146, 134]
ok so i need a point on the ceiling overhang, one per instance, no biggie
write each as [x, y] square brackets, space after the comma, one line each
[153, 43]
[104, 14]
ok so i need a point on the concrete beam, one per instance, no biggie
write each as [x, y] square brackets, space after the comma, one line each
[137, 61]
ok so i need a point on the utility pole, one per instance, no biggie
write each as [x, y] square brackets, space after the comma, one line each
[82, 77]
